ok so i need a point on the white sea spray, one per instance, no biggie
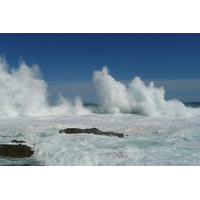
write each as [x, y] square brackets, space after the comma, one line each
[24, 93]
[168, 134]
[115, 97]
[163, 140]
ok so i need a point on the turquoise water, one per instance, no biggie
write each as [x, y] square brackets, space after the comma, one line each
[6, 161]
[192, 104]
[148, 141]
[157, 132]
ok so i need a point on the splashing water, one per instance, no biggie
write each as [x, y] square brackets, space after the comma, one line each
[24, 93]
[163, 140]
[115, 97]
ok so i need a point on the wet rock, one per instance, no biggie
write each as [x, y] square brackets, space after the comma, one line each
[18, 141]
[90, 131]
[25, 165]
[15, 151]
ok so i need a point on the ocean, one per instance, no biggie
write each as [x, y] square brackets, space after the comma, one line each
[156, 132]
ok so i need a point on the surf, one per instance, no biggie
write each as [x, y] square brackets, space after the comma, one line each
[24, 93]
[114, 97]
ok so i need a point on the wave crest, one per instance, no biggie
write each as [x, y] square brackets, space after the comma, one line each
[115, 97]
[24, 93]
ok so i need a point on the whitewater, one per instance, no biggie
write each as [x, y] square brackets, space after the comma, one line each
[156, 132]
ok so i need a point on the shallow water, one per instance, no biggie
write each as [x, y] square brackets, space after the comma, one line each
[157, 132]
[149, 141]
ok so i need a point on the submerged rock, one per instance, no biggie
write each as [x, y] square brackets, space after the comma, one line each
[90, 131]
[15, 151]
[18, 141]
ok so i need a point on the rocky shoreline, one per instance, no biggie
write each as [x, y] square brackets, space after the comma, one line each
[94, 131]
[19, 150]
[15, 151]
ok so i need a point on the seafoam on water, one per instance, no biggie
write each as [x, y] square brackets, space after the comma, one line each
[147, 141]
[157, 132]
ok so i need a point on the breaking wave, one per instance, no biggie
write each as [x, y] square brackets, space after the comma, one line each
[24, 93]
[115, 97]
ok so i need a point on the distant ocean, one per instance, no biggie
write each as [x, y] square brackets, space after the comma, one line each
[156, 132]
[192, 104]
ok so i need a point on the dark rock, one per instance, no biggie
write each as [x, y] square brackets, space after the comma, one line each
[18, 165]
[89, 131]
[25, 165]
[18, 141]
[15, 151]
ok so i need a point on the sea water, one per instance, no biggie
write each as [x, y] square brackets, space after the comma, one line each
[156, 131]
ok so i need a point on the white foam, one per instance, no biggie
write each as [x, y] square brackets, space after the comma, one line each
[24, 93]
[115, 97]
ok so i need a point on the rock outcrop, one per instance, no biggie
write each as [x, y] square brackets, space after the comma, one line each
[15, 151]
[18, 141]
[90, 131]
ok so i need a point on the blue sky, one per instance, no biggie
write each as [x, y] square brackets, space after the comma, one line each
[67, 60]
